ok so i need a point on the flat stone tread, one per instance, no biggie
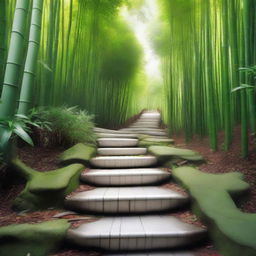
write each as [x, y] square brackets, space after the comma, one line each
[117, 142]
[123, 161]
[142, 129]
[127, 193]
[178, 253]
[116, 135]
[125, 177]
[151, 133]
[132, 171]
[117, 139]
[122, 151]
[103, 130]
[137, 226]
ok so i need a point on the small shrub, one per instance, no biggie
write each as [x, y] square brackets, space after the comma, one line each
[63, 126]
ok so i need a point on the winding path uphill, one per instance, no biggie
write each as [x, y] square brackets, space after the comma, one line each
[135, 208]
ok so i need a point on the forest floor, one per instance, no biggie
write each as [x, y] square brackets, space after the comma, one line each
[216, 162]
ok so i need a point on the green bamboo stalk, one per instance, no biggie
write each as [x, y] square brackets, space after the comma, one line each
[14, 60]
[3, 38]
[31, 60]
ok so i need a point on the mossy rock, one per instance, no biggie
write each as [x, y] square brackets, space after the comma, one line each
[46, 189]
[147, 141]
[32, 239]
[232, 230]
[80, 153]
[172, 154]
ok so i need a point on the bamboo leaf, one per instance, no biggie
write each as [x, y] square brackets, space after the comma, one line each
[45, 66]
[20, 132]
[5, 137]
[243, 86]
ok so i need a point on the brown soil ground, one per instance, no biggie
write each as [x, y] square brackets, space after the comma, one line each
[216, 162]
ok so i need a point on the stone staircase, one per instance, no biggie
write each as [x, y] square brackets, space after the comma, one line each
[135, 208]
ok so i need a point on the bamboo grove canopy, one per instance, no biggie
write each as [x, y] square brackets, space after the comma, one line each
[89, 57]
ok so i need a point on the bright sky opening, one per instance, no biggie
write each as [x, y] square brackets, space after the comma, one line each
[140, 21]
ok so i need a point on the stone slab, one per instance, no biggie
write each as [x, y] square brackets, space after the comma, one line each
[118, 177]
[121, 151]
[136, 233]
[123, 161]
[117, 142]
[126, 200]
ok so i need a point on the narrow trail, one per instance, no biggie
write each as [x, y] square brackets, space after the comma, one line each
[129, 195]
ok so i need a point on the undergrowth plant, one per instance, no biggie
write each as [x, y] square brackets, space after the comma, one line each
[63, 126]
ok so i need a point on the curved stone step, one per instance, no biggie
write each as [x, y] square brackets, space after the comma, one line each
[126, 200]
[116, 135]
[117, 142]
[136, 233]
[170, 253]
[103, 130]
[155, 126]
[119, 177]
[145, 122]
[121, 151]
[123, 161]
[142, 129]
[146, 131]
[141, 126]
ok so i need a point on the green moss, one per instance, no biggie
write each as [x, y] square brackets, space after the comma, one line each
[46, 189]
[32, 239]
[80, 153]
[167, 153]
[232, 230]
[146, 141]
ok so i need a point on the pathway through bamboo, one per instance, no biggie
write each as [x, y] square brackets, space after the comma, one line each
[135, 209]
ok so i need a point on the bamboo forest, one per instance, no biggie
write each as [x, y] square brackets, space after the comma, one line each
[128, 127]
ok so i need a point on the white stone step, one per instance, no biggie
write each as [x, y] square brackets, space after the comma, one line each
[116, 135]
[153, 114]
[117, 142]
[136, 233]
[119, 177]
[103, 130]
[126, 200]
[123, 130]
[149, 131]
[141, 121]
[144, 125]
[123, 161]
[121, 151]
[175, 253]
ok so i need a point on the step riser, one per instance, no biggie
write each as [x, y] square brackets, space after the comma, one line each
[125, 180]
[144, 126]
[123, 163]
[121, 151]
[141, 243]
[125, 206]
[116, 135]
[116, 142]
[136, 233]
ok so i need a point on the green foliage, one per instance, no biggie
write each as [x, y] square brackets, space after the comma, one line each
[12, 128]
[202, 45]
[118, 64]
[63, 126]
[84, 60]
[251, 72]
